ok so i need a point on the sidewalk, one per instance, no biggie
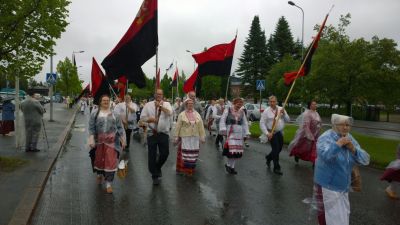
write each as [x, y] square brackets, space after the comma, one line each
[20, 189]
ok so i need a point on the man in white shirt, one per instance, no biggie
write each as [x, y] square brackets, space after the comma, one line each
[157, 114]
[127, 110]
[269, 119]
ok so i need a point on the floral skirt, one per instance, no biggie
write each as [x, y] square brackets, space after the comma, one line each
[305, 149]
[187, 155]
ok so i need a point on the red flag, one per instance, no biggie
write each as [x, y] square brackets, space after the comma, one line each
[137, 46]
[305, 68]
[174, 82]
[217, 60]
[158, 79]
[99, 82]
[191, 82]
[121, 85]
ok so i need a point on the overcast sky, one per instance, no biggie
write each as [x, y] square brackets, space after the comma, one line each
[96, 26]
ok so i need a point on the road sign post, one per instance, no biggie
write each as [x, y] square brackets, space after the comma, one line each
[51, 79]
[260, 85]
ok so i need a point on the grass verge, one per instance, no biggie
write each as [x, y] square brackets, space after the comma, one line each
[382, 151]
[9, 164]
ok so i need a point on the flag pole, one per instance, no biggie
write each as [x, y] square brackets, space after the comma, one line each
[298, 73]
[155, 85]
[177, 79]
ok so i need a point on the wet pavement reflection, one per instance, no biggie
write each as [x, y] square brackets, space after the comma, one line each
[254, 196]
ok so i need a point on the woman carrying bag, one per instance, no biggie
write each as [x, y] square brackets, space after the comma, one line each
[107, 136]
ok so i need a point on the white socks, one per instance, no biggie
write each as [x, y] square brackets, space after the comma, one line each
[231, 163]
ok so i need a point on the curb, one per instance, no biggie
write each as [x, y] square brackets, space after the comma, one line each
[27, 205]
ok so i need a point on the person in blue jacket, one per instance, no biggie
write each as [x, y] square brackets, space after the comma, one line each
[8, 117]
[337, 153]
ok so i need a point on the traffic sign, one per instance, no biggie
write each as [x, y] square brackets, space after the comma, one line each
[260, 85]
[51, 78]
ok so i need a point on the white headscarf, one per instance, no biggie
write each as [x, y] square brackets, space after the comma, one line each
[339, 119]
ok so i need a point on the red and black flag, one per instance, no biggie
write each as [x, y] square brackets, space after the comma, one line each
[174, 82]
[84, 92]
[100, 84]
[191, 81]
[306, 65]
[217, 60]
[137, 46]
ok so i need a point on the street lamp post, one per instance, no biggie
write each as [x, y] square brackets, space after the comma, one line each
[194, 61]
[302, 43]
[302, 27]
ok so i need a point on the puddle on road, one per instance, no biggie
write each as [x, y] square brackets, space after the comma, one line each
[210, 195]
[80, 129]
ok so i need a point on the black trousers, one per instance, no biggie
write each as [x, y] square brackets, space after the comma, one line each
[160, 142]
[219, 139]
[128, 133]
[276, 145]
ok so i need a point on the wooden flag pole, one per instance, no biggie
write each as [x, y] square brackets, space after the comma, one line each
[155, 85]
[297, 75]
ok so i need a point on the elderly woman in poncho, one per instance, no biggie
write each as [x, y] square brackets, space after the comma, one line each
[304, 144]
[337, 153]
[189, 132]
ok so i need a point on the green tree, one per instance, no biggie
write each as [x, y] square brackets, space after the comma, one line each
[28, 29]
[165, 85]
[211, 87]
[253, 63]
[143, 93]
[68, 82]
[283, 39]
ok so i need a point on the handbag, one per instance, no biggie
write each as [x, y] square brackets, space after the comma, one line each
[356, 179]
[122, 169]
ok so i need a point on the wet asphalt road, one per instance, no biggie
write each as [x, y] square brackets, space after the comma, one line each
[254, 196]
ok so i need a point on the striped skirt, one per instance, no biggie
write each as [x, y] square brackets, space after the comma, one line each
[187, 155]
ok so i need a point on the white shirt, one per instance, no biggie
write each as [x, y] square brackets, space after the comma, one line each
[120, 109]
[208, 115]
[164, 123]
[267, 120]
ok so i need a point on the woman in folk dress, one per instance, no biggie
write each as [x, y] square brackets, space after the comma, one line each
[234, 126]
[189, 132]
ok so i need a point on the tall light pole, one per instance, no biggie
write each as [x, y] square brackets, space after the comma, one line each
[194, 61]
[302, 27]
[302, 44]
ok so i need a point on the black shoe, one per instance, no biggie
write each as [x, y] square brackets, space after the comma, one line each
[233, 171]
[247, 145]
[156, 181]
[28, 150]
[217, 146]
[35, 150]
[268, 163]
[278, 172]
[228, 169]
[296, 159]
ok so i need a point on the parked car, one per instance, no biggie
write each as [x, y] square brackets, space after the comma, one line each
[254, 111]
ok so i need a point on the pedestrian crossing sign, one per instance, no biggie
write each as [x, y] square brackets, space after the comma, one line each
[51, 78]
[260, 85]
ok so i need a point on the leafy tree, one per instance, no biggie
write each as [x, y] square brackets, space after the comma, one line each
[253, 63]
[283, 39]
[165, 85]
[68, 83]
[28, 29]
[211, 87]
[143, 93]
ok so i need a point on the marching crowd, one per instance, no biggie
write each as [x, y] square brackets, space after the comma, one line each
[335, 155]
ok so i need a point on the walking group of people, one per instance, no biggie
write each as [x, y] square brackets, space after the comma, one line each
[333, 154]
